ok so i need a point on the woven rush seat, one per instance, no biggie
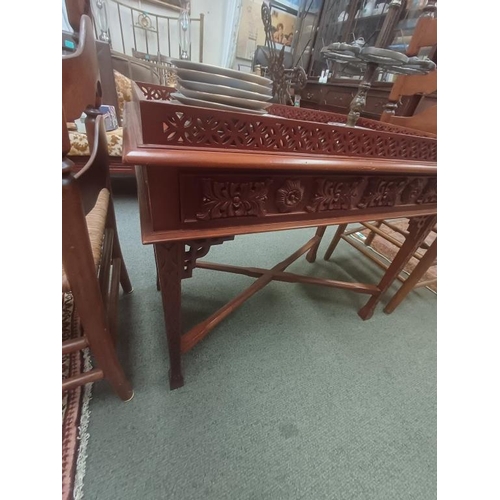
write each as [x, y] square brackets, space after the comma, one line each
[96, 222]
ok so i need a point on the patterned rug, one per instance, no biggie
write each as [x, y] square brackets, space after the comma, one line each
[75, 409]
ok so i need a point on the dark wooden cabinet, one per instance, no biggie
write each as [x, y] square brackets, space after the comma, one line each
[337, 96]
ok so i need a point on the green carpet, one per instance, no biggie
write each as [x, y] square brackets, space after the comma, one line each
[292, 397]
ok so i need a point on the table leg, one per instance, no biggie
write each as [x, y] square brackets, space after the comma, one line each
[170, 262]
[418, 230]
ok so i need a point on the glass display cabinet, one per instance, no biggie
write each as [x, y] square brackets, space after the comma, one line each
[350, 21]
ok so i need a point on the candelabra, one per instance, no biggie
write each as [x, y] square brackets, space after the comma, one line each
[184, 23]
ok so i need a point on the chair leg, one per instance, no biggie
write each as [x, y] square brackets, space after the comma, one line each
[335, 241]
[371, 235]
[117, 252]
[158, 285]
[410, 282]
[124, 278]
[94, 323]
[418, 230]
[108, 361]
[97, 329]
[170, 263]
[311, 255]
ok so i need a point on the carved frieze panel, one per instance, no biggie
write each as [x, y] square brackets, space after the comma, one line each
[412, 191]
[420, 191]
[233, 199]
[429, 194]
[233, 196]
[381, 192]
[334, 195]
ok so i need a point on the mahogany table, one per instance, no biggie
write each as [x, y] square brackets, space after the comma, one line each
[205, 176]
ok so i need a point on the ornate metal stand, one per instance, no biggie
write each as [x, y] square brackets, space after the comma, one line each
[283, 79]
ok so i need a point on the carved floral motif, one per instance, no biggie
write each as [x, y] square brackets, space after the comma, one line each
[334, 195]
[412, 191]
[382, 193]
[289, 195]
[420, 191]
[233, 199]
[429, 194]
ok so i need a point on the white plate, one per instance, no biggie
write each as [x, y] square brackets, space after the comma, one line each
[201, 76]
[224, 99]
[207, 104]
[218, 70]
[223, 90]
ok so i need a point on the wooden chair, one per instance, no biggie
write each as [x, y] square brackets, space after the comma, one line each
[423, 40]
[93, 266]
[389, 230]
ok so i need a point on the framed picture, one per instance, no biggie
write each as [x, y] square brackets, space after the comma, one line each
[283, 26]
[251, 32]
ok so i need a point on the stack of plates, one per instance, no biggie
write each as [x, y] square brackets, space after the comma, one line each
[210, 86]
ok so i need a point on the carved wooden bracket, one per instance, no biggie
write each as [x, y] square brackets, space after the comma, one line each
[198, 249]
